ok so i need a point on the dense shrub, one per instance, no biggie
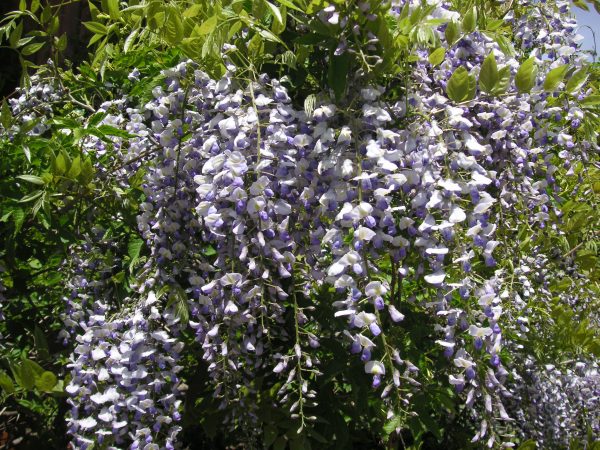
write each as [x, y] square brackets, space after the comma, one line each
[341, 225]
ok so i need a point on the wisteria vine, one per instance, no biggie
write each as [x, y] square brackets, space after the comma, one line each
[254, 207]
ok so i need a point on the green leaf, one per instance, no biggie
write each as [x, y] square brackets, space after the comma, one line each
[178, 300]
[337, 75]
[15, 36]
[61, 42]
[87, 172]
[470, 20]
[109, 130]
[173, 29]
[290, 4]
[31, 196]
[591, 100]
[299, 444]
[280, 443]
[577, 80]
[193, 11]
[269, 36]
[31, 179]
[75, 168]
[461, 85]
[30, 49]
[270, 434]
[276, 12]
[95, 119]
[41, 344]
[95, 38]
[391, 425]
[25, 374]
[310, 102]
[528, 445]
[289, 59]
[130, 40]
[113, 9]
[493, 25]
[5, 115]
[59, 164]
[488, 76]
[35, 368]
[318, 436]
[65, 122]
[503, 81]
[207, 26]
[6, 383]
[18, 216]
[452, 32]
[437, 56]
[526, 75]
[555, 76]
[46, 14]
[134, 248]
[96, 27]
[46, 381]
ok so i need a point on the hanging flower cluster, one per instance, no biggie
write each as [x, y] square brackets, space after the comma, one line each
[33, 107]
[553, 404]
[124, 388]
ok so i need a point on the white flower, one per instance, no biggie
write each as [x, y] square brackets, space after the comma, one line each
[436, 251]
[375, 289]
[87, 423]
[98, 354]
[255, 205]
[344, 281]
[340, 265]
[364, 234]
[258, 187]
[236, 162]
[230, 308]
[486, 201]
[345, 136]
[375, 368]
[480, 332]
[230, 278]
[378, 113]
[110, 395]
[396, 315]
[282, 208]
[214, 164]
[472, 145]
[457, 214]
[364, 318]
[362, 210]
[365, 342]
[436, 277]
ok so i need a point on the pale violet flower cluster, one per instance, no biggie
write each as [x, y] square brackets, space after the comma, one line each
[509, 146]
[32, 108]
[552, 404]
[125, 389]
[253, 206]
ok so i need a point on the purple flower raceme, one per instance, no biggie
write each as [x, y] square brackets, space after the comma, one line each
[254, 207]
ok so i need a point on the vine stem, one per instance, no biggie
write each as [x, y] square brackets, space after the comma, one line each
[298, 357]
